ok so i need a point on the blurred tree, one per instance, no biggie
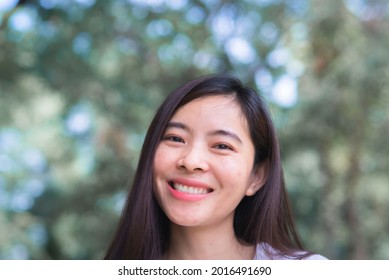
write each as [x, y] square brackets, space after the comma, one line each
[81, 79]
[338, 128]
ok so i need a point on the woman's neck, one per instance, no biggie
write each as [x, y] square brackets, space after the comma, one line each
[203, 243]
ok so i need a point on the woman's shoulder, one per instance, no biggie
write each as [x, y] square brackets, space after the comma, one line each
[266, 252]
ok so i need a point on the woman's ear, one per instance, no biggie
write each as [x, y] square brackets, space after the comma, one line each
[258, 178]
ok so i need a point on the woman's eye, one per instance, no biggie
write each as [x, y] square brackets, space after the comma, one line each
[174, 139]
[223, 147]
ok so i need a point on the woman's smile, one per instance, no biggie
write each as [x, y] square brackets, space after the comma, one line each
[188, 190]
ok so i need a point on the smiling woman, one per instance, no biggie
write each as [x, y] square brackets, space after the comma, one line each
[209, 183]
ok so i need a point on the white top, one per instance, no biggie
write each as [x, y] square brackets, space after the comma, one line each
[261, 254]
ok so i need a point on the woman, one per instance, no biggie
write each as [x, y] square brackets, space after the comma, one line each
[209, 184]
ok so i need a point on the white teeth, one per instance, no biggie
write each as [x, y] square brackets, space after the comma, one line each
[190, 190]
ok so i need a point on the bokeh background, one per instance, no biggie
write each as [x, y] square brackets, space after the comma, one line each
[80, 81]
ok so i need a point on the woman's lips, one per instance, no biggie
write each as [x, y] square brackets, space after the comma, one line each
[188, 190]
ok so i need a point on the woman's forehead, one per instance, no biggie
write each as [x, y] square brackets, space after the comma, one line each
[218, 112]
[225, 104]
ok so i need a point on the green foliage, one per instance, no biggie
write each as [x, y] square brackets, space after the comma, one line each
[80, 82]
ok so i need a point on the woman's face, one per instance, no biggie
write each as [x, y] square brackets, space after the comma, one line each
[203, 165]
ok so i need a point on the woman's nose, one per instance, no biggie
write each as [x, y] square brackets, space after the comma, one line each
[193, 159]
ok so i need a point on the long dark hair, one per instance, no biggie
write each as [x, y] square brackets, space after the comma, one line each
[143, 230]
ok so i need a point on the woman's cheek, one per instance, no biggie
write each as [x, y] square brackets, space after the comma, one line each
[161, 155]
[230, 166]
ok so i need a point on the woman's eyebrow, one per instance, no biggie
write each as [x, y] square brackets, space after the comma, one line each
[227, 133]
[177, 125]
